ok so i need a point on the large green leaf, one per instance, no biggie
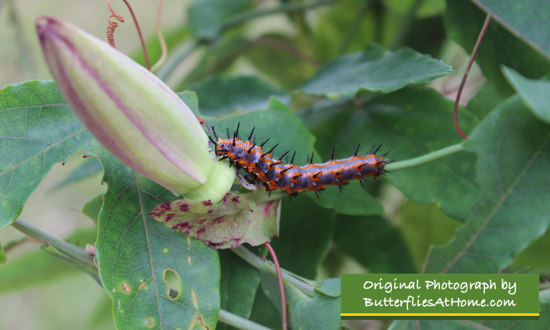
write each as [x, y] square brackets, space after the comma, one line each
[238, 285]
[375, 69]
[410, 123]
[513, 151]
[500, 47]
[242, 93]
[136, 256]
[387, 252]
[529, 20]
[37, 130]
[534, 93]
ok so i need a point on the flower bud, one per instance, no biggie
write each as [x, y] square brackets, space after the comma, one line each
[132, 112]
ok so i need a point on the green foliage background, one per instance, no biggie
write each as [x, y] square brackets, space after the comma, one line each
[310, 75]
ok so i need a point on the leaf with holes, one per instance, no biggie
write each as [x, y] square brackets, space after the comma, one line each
[37, 130]
[156, 277]
[513, 150]
[237, 219]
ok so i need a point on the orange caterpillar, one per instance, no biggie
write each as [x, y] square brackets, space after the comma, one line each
[292, 178]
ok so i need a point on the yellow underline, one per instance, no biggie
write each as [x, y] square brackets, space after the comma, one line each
[439, 314]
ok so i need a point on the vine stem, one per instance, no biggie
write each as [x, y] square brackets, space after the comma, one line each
[281, 284]
[466, 73]
[140, 35]
[238, 322]
[45, 238]
[404, 164]
[257, 262]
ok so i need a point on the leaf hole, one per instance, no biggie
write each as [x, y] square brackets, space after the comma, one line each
[173, 282]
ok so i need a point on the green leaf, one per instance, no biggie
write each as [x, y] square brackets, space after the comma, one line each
[410, 123]
[37, 130]
[512, 148]
[318, 311]
[387, 252]
[87, 168]
[375, 69]
[500, 47]
[155, 276]
[239, 94]
[534, 93]
[237, 219]
[528, 20]
[304, 237]
[238, 285]
[206, 17]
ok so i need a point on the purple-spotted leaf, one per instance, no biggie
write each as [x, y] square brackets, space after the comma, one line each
[235, 220]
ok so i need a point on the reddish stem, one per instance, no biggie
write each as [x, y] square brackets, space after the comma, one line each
[141, 40]
[465, 76]
[281, 284]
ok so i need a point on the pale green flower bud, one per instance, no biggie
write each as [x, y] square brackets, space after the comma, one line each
[132, 112]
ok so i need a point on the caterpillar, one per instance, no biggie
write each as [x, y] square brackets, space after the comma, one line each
[292, 178]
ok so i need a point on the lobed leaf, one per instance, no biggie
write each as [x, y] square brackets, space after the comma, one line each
[37, 130]
[155, 276]
[513, 155]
